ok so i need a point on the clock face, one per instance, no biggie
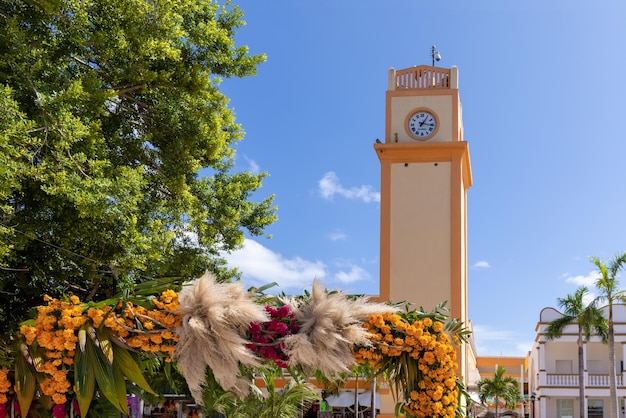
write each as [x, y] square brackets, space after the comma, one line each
[422, 124]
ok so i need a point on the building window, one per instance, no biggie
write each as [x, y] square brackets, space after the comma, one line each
[565, 408]
[595, 408]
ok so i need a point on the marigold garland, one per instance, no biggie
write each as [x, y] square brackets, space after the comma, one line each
[5, 386]
[413, 350]
[54, 333]
[397, 340]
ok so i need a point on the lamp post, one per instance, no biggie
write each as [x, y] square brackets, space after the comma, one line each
[533, 396]
[435, 55]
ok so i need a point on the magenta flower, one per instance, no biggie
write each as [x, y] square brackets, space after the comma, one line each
[76, 408]
[58, 411]
[266, 338]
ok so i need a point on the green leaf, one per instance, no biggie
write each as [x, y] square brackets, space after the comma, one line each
[24, 380]
[103, 372]
[84, 375]
[125, 362]
[120, 388]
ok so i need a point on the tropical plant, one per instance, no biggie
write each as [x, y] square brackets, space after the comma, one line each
[288, 401]
[117, 147]
[607, 285]
[500, 388]
[589, 321]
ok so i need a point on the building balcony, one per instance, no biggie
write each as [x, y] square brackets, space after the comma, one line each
[571, 380]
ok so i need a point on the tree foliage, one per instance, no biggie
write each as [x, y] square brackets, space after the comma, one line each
[109, 109]
[589, 321]
[609, 292]
[500, 388]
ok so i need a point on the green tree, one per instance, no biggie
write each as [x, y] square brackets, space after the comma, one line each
[109, 111]
[607, 285]
[589, 320]
[290, 401]
[500, 387]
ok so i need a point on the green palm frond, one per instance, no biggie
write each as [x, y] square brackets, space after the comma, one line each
[500, 387]
[288, 402]
[84, 375]
[25, 380]
[103, 370]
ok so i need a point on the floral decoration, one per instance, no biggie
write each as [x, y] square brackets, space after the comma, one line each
[5, 387]
[417, 355]
[267, 337]
[224, 328]
[51, 340]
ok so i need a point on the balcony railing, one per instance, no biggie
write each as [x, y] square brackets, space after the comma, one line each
[423, 77]
[571, 380]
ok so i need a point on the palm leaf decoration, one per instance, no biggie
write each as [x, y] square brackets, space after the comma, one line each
[124, 361]
[84, 375]
[103, 371]
[25, 377]
[102, 359]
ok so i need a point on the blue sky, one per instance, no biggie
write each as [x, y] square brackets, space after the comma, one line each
[541, 83]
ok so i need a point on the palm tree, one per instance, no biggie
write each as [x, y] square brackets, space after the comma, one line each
[608, 287]
[589, 320]
[289, 402]
[501, 387]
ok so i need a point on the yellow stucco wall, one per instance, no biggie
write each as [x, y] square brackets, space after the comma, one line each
[420, 233]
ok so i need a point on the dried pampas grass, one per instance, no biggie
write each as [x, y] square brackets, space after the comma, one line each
[212, 334]
[330, 327]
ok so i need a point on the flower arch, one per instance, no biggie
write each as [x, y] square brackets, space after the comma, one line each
[73, 350]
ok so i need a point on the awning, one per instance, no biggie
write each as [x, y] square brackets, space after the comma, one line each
[342, 400]
[345, 399]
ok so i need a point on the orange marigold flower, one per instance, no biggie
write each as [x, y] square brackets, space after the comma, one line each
[438, 326]
[59, 398]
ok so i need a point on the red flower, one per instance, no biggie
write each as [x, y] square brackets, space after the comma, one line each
[58, 411]
[266, 337]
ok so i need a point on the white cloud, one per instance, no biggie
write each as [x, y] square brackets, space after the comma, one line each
[337, 236]
[253, 167]
[495, 342]
[355, 274]
[259, 265]
[329, 186]
[481, 265]
[588, 280]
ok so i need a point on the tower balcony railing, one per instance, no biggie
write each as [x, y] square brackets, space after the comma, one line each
[571, 380]
[423, 77]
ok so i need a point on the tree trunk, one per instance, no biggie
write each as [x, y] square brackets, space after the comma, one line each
[581, 375]
[497, 402]
[613, 413]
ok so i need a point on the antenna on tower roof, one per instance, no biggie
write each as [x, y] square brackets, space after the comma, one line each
[435, 55]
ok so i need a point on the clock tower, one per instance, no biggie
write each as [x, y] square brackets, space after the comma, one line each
[425, 175]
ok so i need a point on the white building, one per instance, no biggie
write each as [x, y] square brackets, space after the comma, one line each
[553, 370]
